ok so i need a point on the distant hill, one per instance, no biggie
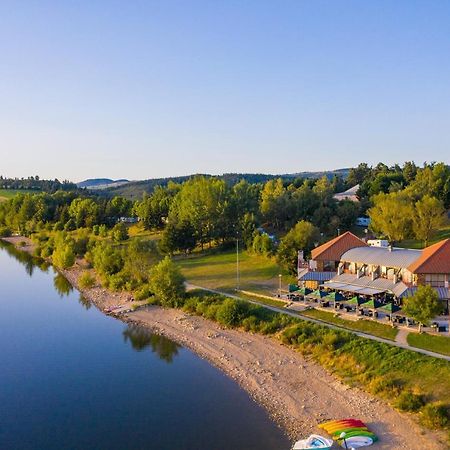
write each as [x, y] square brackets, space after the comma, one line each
[135, 189]
[101, 183]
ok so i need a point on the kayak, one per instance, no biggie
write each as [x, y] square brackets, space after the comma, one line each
[357, 442]
[314, 442]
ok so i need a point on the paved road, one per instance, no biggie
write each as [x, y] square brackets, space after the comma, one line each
[401, 343]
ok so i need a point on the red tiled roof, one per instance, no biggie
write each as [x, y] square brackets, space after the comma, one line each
[434, 259]
[334, 249]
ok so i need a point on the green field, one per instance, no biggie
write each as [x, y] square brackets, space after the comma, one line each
[218, 271]
[6, 194]
[365, 326]
[443, 233]
[438, 344]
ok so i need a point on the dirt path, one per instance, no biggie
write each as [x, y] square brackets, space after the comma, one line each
[298, 393]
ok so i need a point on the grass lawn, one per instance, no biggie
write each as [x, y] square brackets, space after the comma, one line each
[6, 194]
[438, 344]
[218, 271]
[137, 230]
[262, 300]
[365, 326]
[441, 234]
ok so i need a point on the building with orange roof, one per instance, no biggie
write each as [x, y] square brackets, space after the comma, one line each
[349, 265]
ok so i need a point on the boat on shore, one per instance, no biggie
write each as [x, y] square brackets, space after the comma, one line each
[314, 442]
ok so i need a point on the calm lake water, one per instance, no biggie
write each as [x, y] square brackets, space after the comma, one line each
[72, 378]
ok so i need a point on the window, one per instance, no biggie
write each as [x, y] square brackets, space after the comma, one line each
[435, 279]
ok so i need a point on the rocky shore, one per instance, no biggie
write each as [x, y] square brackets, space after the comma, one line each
[298, 393]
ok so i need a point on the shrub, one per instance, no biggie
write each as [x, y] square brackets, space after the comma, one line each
[117, 282]
[5, 232]
[384, 386]
[167, 283]
[63, 255]
[435, 415]
[409, 401]
[106, 259]
[119, 232]
[232, 312]
[143, 293]
[59, 226]
[86, 280]
[251, 323]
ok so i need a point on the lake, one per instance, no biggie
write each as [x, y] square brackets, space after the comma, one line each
[73, 378]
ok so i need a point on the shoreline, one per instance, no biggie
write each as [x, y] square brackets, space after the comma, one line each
[297, 392]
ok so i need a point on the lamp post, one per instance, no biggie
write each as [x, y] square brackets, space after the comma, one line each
[237, 262]
[279, 288]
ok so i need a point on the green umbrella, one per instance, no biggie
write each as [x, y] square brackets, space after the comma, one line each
[318, 294]
[355, 301]
[335, 296]
[371, 304]
[293, 288]
[304, 291]
[389, 308]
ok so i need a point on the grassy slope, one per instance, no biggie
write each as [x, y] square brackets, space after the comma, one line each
[218, 271]
[438, 344]
[443, 233]
[365, 326]
[6, 194]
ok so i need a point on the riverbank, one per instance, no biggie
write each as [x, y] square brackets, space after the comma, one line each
[297, 392]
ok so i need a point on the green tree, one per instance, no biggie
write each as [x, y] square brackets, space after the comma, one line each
[167, 283]
[178, 236]
[119, 232]
[423, 306]
[301, 237]
[106, 259]
[63, 255]
[427, 218]
[391, 216]
[84, 211]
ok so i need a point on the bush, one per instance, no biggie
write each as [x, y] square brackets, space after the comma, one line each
[408, 401]
[119, 232]
[384, 386]
[232, 312]
[86, 280]
[143, 293]
[167, 283]
[5, 232]
[117, 282]
[435, 415]
[63, 254]
[251, 323]
[106, 259]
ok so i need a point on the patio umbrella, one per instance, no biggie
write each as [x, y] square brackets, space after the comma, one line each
[318, 294]
[389, 308]
[371, 304]
[355, 301]
[304, 291]
[293, 288]
[335, 296]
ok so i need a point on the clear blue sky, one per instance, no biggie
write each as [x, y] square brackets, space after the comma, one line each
[142, 89]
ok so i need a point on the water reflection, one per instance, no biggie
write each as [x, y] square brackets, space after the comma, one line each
[28, 261]
[62, 285]
[85, 302]
[140, 339]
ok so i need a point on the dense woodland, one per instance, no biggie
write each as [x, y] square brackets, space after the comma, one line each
[36, 184]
